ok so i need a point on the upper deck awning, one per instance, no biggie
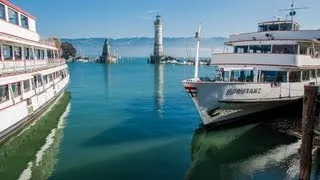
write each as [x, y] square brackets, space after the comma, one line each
[307, 35]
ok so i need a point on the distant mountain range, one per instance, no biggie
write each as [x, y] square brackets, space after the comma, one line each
[143, 46]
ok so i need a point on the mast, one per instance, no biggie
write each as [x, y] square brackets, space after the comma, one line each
[196, 64]
[292, 10]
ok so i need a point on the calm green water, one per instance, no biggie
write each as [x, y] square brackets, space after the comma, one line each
[134, 121]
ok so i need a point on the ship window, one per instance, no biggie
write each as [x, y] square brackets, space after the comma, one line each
[56, 54]
[26, 52]
[303, 50]
[26, 85]
[24, 22]
[313, 73]
[305, 75]
[286, 27]
[285, 49]
[16, 89]
[45, 79]
[260, 49]
[62, 74]
[4, 93]
[294, 76]
[318, 72]
[32, 53]
[273, 27]
[263, 28]
[2, 12]
[34, 82]
[38, 53]
[296, 27]
[39, 80]
[50, 54]
[7, 52]
[241, 49]
[50, 77]
[13, 16]
[17, 52]
[273, 76]
[241, 76]
[226, 76]
[42, 54]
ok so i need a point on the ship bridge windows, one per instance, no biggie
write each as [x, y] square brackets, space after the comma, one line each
[285, 49]
[2, 12]
[277, 49]
[241, 49]
[273, 27]
[13, 16]
[279, 26]
[260, 49]
[263, 28]
[286, 27]
[268, 27]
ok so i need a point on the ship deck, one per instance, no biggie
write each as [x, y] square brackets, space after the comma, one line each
[10, 68]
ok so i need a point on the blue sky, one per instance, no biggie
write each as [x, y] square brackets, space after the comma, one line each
[134, 18]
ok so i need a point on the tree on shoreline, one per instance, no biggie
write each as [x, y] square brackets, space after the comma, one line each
[68, 50]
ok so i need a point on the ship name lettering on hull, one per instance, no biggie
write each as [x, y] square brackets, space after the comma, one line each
[242, 91]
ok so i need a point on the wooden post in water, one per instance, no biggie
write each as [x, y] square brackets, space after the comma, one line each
[308, 119]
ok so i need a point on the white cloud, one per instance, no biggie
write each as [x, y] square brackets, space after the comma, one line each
[148, 14]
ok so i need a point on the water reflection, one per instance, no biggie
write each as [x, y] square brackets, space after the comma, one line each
[159, 88]
[247, 152]
[44, 165]
[107, 76]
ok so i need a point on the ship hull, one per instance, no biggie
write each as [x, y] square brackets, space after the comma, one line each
[17, 112]
[220, 103]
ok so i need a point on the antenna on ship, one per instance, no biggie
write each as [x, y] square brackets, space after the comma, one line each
[196, 63]
[292, 10]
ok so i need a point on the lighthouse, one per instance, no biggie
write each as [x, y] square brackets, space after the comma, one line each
[158, 46]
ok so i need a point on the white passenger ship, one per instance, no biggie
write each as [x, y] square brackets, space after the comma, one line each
[32, 74]
[266, 69]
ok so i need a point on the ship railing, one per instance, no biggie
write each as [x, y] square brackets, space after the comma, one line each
[20, 66]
